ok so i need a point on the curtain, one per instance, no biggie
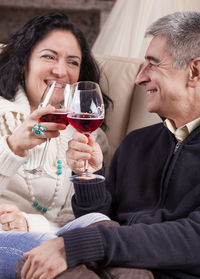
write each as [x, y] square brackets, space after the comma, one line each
[123, 32]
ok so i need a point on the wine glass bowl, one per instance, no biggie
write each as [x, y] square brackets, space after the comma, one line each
[56, 94]
[84, 122]
[86, 114]
[56, 117]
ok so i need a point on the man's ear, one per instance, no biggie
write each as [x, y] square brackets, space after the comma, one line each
[194, 72]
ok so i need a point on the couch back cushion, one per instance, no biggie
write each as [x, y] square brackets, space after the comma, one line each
[129, 112]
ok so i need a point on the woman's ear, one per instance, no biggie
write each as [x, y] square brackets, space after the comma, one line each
[194, 72]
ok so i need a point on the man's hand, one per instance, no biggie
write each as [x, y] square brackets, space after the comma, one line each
[82, 148]
[45, 261]
[12, 219]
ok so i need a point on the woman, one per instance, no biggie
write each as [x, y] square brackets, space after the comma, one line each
[48, 47]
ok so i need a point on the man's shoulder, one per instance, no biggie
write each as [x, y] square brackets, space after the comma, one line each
[145, 134]
[154, 129]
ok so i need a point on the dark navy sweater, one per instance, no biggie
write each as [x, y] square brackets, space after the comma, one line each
[153, 191]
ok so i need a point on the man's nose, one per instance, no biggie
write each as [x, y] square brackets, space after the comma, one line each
[142, 77]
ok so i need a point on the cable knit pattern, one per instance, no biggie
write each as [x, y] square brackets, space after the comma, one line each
[13, 188]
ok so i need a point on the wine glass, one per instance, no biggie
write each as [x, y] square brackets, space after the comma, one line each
[55, 94]
[86, 114]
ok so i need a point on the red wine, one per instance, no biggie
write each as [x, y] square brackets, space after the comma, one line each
[84, 122]
[56, 117]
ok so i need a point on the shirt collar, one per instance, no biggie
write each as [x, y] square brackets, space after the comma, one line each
[182, 132]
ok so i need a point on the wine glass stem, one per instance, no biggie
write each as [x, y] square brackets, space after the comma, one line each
[86, 166]
[41, 165]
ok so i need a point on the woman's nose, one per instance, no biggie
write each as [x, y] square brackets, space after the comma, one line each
[142, 77]
[60, 69]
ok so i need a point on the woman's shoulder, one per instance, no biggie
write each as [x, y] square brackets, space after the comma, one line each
[20, 104]
[13, 112]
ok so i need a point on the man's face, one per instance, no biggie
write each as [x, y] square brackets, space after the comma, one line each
[165, 86]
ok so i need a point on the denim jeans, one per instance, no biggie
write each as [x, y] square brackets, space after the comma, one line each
[14, 244]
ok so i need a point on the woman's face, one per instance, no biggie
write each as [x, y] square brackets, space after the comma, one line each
[56, 57]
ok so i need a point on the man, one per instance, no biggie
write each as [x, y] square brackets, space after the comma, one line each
[153, 187]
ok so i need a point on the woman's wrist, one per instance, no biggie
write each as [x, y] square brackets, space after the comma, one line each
[15, 149]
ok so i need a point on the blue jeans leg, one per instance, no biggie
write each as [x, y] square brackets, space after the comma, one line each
[14, 244]
[12, 247]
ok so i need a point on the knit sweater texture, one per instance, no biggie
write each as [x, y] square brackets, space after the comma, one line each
[13, 186]
[153, 191]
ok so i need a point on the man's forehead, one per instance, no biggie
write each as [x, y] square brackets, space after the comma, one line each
[157, 49]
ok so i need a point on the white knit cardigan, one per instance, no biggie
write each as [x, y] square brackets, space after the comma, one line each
[13, 186]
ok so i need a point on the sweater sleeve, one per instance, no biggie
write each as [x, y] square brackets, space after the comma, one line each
[168, 245]
[38, 223]
[9, 162]
[91, 197]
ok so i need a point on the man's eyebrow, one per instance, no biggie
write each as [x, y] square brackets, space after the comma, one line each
[55, 52]
[152, 58]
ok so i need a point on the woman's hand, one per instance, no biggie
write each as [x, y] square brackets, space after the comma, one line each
[12, 219]
[23, 139]
[45, 261]
[82, 148]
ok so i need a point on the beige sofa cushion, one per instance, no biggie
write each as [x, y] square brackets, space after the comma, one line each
[118, 82]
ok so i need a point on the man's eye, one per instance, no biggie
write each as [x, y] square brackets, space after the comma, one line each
[151, 65]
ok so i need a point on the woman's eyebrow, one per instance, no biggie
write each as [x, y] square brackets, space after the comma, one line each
[74, 56]
[55, 52]
[45, 49]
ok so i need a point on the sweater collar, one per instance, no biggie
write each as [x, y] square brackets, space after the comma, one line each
[19, 105]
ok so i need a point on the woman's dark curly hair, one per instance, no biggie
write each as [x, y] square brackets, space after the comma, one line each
[15, 55]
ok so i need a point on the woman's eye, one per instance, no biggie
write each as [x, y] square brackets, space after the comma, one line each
[50, 57]
[74, 63]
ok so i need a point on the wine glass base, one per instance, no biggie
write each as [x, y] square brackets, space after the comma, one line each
[38, 172]
[87, 178]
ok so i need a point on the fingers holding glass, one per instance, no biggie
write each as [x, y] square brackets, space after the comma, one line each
[82, 148]
[76, 155]
[48, 131]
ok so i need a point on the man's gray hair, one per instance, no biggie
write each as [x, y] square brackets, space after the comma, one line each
[182, 30]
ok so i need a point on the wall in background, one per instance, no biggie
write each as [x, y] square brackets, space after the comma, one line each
[89, 15]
